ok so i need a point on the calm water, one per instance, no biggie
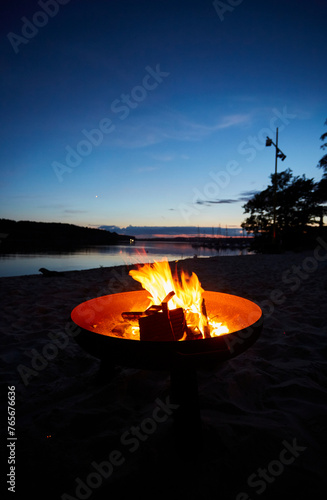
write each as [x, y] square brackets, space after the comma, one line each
[106, 256]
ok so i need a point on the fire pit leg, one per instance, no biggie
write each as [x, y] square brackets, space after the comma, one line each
[187, 419]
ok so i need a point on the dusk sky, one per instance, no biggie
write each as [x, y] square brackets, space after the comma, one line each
[155, 113]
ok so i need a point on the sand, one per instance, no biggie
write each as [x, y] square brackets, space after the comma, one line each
[264, 413]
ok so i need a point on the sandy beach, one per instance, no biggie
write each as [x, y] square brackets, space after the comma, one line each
[264, 413]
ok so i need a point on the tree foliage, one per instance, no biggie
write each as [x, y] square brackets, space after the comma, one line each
[322, 186]
[297, 206]
[323, 161]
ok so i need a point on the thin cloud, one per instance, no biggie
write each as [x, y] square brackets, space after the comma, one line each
[73, 211]
[140, 132]
[244, 196]
[233, 120]
[225, 201]
[140, 170]
[169, 157]
[163, 157]
[247, 195]
[250, 193]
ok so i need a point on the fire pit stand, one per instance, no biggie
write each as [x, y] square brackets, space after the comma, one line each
[96, 318]
[184, 392]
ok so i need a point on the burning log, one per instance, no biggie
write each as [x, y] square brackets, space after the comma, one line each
[157, 322]
[206, 327]
[163, 325]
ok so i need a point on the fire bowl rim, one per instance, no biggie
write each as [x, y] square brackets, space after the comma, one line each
[156, 354]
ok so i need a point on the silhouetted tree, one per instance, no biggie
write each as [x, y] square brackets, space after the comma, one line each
[297, 206]
[300, 205]
[322, 185]
[323, 161]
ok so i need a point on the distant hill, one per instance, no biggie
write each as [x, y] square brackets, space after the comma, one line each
[28, 236]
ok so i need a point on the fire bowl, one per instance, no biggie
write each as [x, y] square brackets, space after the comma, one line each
[96, 319]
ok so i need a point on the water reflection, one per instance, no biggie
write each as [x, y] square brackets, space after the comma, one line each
[106, 256]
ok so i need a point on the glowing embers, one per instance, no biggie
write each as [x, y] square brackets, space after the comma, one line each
[177, 308]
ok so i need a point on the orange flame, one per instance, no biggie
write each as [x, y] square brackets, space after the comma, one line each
[157, 279]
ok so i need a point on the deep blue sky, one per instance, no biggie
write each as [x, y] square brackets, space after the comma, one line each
[228, 80]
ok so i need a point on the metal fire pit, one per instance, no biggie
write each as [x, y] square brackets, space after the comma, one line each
[98, 317]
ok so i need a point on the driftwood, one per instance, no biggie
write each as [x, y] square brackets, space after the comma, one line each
[50, 274]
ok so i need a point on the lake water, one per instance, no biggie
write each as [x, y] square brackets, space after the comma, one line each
[106, 256]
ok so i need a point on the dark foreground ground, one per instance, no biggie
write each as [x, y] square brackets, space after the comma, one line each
[82, 435]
